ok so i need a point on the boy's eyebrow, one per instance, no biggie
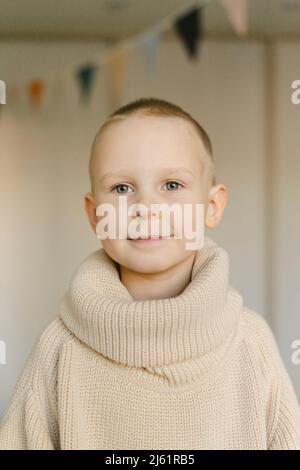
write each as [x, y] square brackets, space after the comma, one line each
[164, 169]
[112, 174]
[178, 169]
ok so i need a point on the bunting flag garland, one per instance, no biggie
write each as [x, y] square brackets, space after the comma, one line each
[237, 12]
[147, 47]
[189, 28]
[85, 75]
[187, 22]
[115, 71]
[35, 90]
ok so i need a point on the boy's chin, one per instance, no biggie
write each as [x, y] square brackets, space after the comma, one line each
[147, 256]
[153, 264]
[151, 257]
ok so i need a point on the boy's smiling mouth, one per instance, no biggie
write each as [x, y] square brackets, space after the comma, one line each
[149, 239]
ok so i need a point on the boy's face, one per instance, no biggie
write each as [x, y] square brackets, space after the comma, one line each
[149, 160]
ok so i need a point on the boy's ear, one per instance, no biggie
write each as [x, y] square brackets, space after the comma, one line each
[217, 200]
[90, 210]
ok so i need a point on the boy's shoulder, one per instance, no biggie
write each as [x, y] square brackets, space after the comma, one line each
[260, 339]
[256, 325]
[52, 338]
[40, 369]
[45, 352]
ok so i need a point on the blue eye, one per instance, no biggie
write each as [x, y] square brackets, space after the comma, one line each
[172, 183]
[121, 186]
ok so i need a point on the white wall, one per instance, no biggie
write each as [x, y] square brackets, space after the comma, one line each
[286, 197]
[44, 155]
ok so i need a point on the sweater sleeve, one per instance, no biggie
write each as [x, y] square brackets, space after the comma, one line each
[25, 428]
[286, 433]
[31, 421]
[284, 411]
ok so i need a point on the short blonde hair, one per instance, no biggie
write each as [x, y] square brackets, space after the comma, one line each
[158, 107]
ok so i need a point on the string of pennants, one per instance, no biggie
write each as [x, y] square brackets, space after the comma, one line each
[187, 24]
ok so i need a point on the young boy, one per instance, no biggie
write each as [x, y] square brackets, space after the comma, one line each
[152, 348]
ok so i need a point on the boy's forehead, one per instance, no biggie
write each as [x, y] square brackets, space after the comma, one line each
[142, 134]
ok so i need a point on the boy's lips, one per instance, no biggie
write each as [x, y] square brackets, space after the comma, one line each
[149, 239]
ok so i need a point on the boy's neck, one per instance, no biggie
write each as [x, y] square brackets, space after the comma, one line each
[161, 285]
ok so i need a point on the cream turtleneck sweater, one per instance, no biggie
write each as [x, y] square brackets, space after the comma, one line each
[196, 371]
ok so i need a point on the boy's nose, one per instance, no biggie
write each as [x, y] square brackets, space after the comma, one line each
[149, 213]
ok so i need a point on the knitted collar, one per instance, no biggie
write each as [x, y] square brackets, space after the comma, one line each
[155, 334]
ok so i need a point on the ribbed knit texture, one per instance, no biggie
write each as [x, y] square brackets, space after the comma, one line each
[196, 371]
